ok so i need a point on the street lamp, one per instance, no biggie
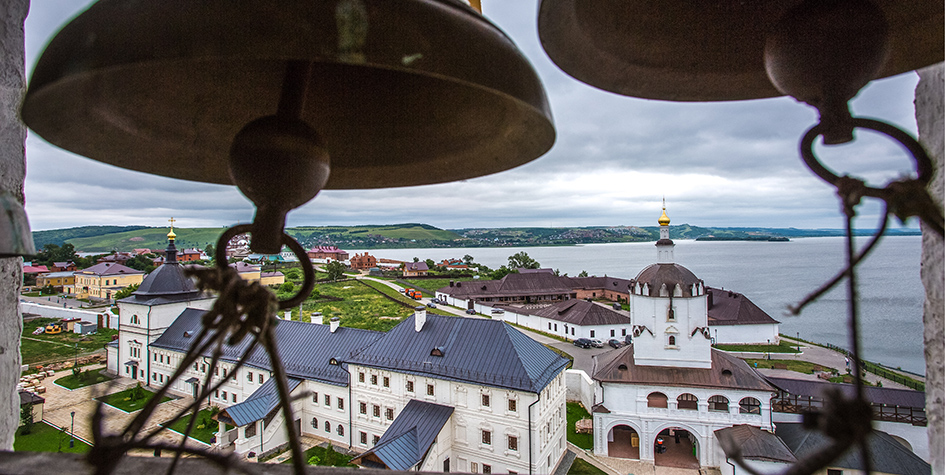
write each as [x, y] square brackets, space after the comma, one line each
[72, 432]
[75, 361]
[768, 350]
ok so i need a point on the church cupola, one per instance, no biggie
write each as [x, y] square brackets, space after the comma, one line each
[665, 245]
[171, 251]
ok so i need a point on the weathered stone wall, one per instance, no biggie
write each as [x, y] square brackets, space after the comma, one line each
[929, 105]
[12, 171]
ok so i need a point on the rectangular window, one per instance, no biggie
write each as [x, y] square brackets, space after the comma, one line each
[216, 393]
[224, 373]
[386, 382]
[486, 437]
[341, 403]
[623, 332]
[155, 376]
[549, 325]
[486, 468]
[409, 386]
[327, 400]
[485, 400]
[374, 379]
[377, 410]
[216, 371]
[224, 395]
[249, 376]
[234, 397]
[513, 443]
[572, 331]
[389, 413]
[363, 438]
[375, 439]
[592, 333]
[556, 329]
[362, 407]
[260, 378]
[155, 357]
[315, 398]
[513, 405]
[613, 333]
[196, 367]
[429, 389]
[361, 380]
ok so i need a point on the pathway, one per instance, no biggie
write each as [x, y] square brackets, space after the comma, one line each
[618, 466]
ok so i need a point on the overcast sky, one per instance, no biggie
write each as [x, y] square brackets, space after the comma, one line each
[718, 164]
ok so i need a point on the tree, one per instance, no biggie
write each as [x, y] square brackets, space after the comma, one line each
[467, 259]
[557, 273]
[54, 253]
[26, 417]
[141, 263]
[293, 274]
[583, 273]
[287, 287]
[335, 269]
[430, 263]
[137, 392]
[502, 272]
[415, 259]
[209, 251]
[126, 292]
[521, 260]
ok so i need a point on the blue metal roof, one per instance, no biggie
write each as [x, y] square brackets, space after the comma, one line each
[306, 349]
[259, 404]
[409, 437]
[478, 351]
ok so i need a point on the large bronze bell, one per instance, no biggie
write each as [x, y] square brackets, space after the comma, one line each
[712, 50]
[383, 93]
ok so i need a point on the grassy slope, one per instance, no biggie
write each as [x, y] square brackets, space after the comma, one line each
[394, 231]
[152, 238]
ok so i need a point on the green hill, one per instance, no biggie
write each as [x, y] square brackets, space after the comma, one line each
[151, 238]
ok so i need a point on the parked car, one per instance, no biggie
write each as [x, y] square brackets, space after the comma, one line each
[617, 307]
[614, 343]
[431, 305]
[470, 312]
[583, 343]
[597, 343]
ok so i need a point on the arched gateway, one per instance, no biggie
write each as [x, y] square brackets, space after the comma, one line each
[623, 442]
[676, 447]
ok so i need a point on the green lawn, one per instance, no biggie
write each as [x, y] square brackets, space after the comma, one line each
[204, 426]
[580, 467]
[577, 412]
[799, 366]
[47, 348]
[122, 400]
[783, 347]
[326, 456]
[46, 438]
[85, 378]
[389, 291]
[360, 306]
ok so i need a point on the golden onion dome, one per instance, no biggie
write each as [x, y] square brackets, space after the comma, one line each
[664, 220]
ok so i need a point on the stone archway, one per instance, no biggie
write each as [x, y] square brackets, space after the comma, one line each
[680, 448]
[623, 442]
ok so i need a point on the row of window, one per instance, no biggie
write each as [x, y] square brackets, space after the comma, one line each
[385, 382]
[249, 377]
[511, 440]
[340, 429]
[217, 393]
[376, 410]
[747, 405]
[135, 352]
[340, 400]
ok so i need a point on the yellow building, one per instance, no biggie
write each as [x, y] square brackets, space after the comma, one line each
[57, 280]
[248, 272]
[103, 280]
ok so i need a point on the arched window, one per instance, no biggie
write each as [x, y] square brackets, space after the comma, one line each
[687, 401]
[672, 340]
[327, 426]
[341, 430]
[749, 405]
[718, 403]
[315, 422]
[656, 400]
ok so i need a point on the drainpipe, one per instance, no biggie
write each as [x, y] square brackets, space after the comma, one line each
[147, 341]
[730, 463]
[530, 432]
[350, 416]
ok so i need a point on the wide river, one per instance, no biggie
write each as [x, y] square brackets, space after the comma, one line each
[772, 274]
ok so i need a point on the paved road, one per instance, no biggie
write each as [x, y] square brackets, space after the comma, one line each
[58, 302]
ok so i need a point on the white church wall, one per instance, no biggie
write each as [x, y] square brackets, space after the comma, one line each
[580, 387]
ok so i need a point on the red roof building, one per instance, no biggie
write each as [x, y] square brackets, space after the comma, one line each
[327, 252]
[363, 261]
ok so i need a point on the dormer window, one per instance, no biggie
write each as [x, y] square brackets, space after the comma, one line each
[333, 361]
[438, 351]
